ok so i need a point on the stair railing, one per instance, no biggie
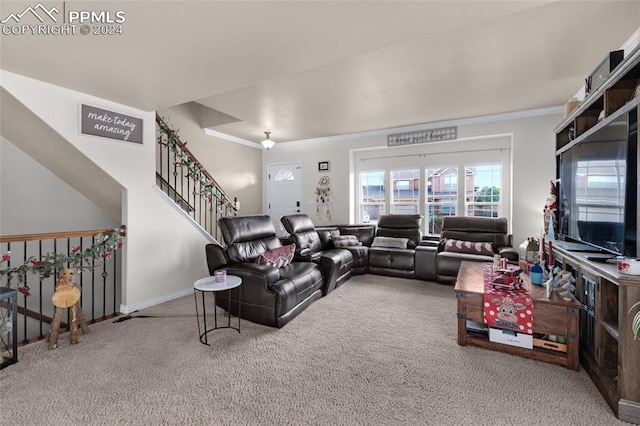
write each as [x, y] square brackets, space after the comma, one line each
[186, 181]
[99, 280]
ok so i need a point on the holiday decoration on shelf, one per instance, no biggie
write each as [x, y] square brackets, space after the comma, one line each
[550, 207]
[559, 281]
[194, 170]
[104, 246]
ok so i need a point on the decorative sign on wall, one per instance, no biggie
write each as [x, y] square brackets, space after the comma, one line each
[423, 136]
[109, 124]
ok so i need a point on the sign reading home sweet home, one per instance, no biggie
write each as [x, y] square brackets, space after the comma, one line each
[109, 124]
[423, 136]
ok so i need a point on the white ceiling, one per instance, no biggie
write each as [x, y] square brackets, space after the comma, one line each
[309, 69]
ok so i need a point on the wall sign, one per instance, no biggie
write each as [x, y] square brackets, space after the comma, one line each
[109, 124]
[423, 136]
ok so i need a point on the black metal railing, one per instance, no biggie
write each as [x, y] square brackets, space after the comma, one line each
[100, 285]
[186, 181]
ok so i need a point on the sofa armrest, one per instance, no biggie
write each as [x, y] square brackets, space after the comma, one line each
[306, 255]
[254, 272]
[510, 253]
[216, 257]
[425, 262]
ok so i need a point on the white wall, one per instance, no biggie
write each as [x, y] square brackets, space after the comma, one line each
[533, 163]
[34, 200]
[163, 253]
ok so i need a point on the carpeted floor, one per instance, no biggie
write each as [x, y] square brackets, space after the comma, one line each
[377, 351]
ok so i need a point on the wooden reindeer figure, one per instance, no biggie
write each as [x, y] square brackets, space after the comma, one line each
[67, 295]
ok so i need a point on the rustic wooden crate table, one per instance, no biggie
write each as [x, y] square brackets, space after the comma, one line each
[552, 316]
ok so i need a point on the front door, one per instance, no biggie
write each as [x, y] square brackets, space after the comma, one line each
[284, 192]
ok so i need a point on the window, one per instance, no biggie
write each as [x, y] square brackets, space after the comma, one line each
[441, 196]
[600, 190]
[406, 191]
[460, 178]
[451, 181]
[284, 174]
[372, 196]
[483, 185]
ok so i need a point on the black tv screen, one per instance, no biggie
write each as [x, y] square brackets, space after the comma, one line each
[592, 193]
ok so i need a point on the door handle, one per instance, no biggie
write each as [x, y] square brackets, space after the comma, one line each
[298, 204]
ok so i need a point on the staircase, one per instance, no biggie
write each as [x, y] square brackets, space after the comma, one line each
[185, 180]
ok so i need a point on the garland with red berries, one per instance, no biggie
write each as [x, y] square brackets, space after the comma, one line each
[104, 246]
[169, 138]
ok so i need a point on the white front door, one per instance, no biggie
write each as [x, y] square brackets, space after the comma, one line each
[284, 192]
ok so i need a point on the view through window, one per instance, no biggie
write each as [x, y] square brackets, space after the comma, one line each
[441, 192]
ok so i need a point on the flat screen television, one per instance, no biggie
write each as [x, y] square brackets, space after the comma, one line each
[597, 191]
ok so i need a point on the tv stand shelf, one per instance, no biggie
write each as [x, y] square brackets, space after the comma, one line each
[598, 141]
[608, 351]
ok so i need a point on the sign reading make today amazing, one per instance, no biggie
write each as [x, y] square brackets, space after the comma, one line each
[109, 124]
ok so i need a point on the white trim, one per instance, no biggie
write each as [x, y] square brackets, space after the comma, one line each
[127, 309]
[414, 128]
[173, 204]
[233, 139]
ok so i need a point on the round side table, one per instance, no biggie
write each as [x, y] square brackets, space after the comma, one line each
[211, 286]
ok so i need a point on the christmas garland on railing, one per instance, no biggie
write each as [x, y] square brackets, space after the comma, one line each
[103, 247]
[169, 138]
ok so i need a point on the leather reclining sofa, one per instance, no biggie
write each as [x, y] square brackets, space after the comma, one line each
[468, 233]
[326, 257]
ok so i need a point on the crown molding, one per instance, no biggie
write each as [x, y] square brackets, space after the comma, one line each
[413, 128]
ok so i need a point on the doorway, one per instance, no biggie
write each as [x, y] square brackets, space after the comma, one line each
[284, 192]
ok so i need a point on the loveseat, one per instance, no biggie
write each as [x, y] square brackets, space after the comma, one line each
[469, 238]
[274, 293]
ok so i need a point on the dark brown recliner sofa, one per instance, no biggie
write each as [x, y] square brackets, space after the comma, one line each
[407, 262]
[446, 264]
[335, 263]
[270, 296]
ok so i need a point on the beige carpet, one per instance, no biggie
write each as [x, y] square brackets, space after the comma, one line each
[377, 351]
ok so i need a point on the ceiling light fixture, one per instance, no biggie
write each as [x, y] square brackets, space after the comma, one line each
[267, 143]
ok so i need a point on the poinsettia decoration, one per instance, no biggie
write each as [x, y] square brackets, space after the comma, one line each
[104, 246]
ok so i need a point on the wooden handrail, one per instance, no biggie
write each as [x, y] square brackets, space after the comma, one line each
[51, 236]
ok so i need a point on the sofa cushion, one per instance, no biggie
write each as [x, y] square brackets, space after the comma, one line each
[326, 237]
[470, 247]
[477, 229]
[346, 241]
[391, 258]
[365, 233]
[391, 242]
[278, 257]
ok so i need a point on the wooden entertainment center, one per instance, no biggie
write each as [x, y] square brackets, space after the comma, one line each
[608, 351]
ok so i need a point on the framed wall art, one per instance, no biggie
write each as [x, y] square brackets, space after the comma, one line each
[323, 166]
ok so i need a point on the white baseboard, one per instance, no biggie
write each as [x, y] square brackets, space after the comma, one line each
[127, 309]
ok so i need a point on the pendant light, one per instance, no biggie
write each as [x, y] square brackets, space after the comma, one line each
[267, 143]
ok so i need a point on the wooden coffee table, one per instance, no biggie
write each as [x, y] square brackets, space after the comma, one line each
[554, 316]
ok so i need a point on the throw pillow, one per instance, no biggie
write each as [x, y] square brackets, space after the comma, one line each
[390, 242]
[470, 247]
[341, 241]
[278, 257]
